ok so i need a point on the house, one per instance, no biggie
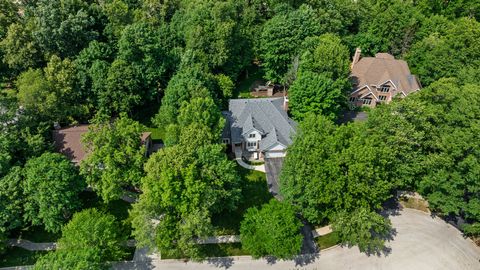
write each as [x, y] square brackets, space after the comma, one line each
[379, 79]
[68, 141]
[258, 128]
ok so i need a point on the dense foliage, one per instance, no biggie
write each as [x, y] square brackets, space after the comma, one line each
[172, 66]
[272, 230]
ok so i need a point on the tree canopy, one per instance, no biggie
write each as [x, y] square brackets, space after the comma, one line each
[116, 156]
[272, 230]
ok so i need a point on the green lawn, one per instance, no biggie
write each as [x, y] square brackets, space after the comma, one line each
[254, 193]
[15, 256]
[243, 88]
[328, 240]
[157, 134]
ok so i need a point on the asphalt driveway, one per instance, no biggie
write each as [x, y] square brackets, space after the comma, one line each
[273, 167]
[421, 242]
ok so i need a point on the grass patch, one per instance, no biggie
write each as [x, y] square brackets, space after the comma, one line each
[414, 203]
[328, 240]
[16, 256]
[35, 234]
[157, 134]
[254, 193]
[243, 88]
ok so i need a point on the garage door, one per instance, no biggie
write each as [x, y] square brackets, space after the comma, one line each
[274, 154]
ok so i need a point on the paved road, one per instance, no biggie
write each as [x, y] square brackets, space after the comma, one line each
[421, 242]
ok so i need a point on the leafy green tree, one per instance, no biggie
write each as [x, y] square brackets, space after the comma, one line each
[8, 15]
[82, 259]
[187, 83]
[202, 111]
[441, 55]
[363, 228]
[271, 230]
[11, 200]
[328, 56]
[119, 15]
[316, 93]
[64, 27]
[391, 29]
[20, 50]
[183, 187]
[329, 169]
[450, 9]
[51, 94]
[210, 29]
[92, 229]
[51, 189]
[281, 39]
[116, 156]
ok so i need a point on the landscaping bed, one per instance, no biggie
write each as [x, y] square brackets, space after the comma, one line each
[328, 240]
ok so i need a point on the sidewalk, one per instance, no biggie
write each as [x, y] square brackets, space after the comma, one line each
[238, 158]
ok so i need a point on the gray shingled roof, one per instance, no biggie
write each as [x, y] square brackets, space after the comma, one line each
[263, 114]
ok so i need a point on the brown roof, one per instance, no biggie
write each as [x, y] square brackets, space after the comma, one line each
[68, 141]
[373, 71]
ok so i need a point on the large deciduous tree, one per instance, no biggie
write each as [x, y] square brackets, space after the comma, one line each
[183, 187]
[92, 229]
[446, 51]
[272, 230]
[116, 156]
[329, 169]
[51, 189]
[281, 39]
[316, 93]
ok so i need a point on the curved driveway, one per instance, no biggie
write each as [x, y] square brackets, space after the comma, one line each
[421, 242]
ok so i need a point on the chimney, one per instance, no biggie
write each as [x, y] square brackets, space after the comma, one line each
[285, 103]
[356, 57]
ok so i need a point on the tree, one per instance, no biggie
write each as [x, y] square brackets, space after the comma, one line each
[51, 189]
[272, 230]
[116, 156]
[281, 39]
[11, 200]
[391, 29]
[183, 187]
[210, 29]
[328, 56]
[8, 16]
[363, 228]
[329, 169]
[92, 229]
[63, 27]
[20, 51]
[51, 94]
[316, 93]
[441, 55]
[187, 83]
[82, 259]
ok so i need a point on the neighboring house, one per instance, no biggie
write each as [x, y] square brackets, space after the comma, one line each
[379, 79]
[68, 141]
[258, 128]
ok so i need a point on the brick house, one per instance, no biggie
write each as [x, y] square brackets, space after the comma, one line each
[379, 79]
